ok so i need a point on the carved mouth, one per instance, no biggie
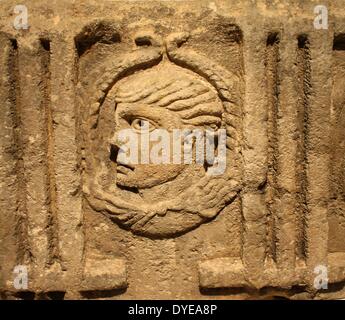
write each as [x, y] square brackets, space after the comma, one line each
[124, 168]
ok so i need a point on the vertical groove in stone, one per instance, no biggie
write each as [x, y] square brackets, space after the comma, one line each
[52, 231]
[304, 90]
[9, 219]
[272, 82]
[24, 253]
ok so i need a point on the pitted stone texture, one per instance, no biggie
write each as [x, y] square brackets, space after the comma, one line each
[88, 227]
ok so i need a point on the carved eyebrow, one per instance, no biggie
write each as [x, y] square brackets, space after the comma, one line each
[139, 111]
[200, 110]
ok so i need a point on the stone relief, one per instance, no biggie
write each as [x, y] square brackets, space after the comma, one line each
[185, 90]
[262, 85]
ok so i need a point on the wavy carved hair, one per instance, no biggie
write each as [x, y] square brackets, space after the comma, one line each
[174, 88]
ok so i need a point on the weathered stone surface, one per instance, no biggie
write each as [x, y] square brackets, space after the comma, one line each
[86, 225]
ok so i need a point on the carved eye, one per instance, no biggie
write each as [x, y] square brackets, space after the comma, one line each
[139, 124]
[213, 126]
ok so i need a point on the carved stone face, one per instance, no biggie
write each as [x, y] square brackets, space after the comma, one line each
[165, 97]
[134, 115]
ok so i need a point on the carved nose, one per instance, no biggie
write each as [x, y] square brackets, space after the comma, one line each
[114, 150]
